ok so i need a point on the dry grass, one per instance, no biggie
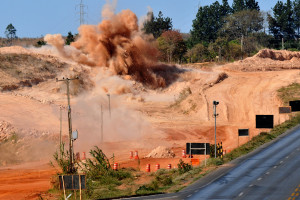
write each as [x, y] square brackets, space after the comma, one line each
[22, 70]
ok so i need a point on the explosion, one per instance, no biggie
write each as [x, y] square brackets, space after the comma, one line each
[115, 43]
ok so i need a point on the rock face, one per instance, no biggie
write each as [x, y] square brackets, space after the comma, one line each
[161, 152]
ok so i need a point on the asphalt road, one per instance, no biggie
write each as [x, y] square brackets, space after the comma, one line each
[270, 172]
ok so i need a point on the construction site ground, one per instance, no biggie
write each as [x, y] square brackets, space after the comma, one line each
[141, 119]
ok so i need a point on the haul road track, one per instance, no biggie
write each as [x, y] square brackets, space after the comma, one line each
[270, 172]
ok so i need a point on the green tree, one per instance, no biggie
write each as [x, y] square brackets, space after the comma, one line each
[40, 43]
[10, 33]
[70, 38]
[297, 15]
[252, 5]
[281, 24]
[209, 20]
[199, 53]
[238, 5]
[219, 48]
[172, 46]
[157, 25]
[242, 23]
[225, 8]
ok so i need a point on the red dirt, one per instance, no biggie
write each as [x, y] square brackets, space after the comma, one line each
[25, 181]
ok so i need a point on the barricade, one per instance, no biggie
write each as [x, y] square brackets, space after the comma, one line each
[148, 168]
[157, 167]
[183, 153]
[83, 156]
[136, 156]
[115, 166]
[169, 166]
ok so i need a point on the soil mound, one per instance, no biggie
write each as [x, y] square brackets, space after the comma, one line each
[161, 152]
[268, 60]
[281, 55]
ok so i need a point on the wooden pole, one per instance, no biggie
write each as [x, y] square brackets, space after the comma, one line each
[101, 124]
[60, 134]
[67, 81]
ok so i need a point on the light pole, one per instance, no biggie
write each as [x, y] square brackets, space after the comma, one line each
[215, 103]
[108, 95]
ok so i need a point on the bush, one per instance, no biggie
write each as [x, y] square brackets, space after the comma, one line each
[183, 167]
[62, 159]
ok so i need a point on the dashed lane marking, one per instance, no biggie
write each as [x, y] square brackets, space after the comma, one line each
[259, 178]
[241, 194]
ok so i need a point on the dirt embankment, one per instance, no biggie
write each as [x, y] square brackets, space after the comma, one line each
[268, 60]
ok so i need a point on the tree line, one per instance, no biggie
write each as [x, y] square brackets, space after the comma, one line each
[226, 33]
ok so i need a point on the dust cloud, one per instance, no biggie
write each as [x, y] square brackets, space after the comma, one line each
[115, 43]
[120, 122]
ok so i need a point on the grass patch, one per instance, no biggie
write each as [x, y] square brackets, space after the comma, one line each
[289, 93]
[182, 96]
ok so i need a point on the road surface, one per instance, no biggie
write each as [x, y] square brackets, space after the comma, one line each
[270, 172]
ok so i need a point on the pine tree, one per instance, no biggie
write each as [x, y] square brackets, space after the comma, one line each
[10, 33]
[209, 20]
[238, 5]
[297, 16]
[70, 38]
[289, 25]
[225, 8]
[252, 5]
[282, 24]
[157, 25]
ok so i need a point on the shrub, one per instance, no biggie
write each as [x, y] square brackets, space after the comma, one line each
[183, 167]
[62, 159]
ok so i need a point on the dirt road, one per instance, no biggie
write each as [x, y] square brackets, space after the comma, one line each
[25, 181]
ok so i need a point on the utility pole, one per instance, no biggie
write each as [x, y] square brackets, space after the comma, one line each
[108, 95]
[101, 124]
[282, 43]
[242, 41]
[215, 103]
[60, 133]
[67, 81]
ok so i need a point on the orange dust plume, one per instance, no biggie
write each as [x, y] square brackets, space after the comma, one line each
[115, 43]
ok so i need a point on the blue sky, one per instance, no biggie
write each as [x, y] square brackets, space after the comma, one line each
[35, 18]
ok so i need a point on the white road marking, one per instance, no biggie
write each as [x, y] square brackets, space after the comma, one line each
[275, 167]
[189, 195]
[267, 173]
[281, 162]
[259, 178]
[287, 157]
[241, 194]
[250, 185]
